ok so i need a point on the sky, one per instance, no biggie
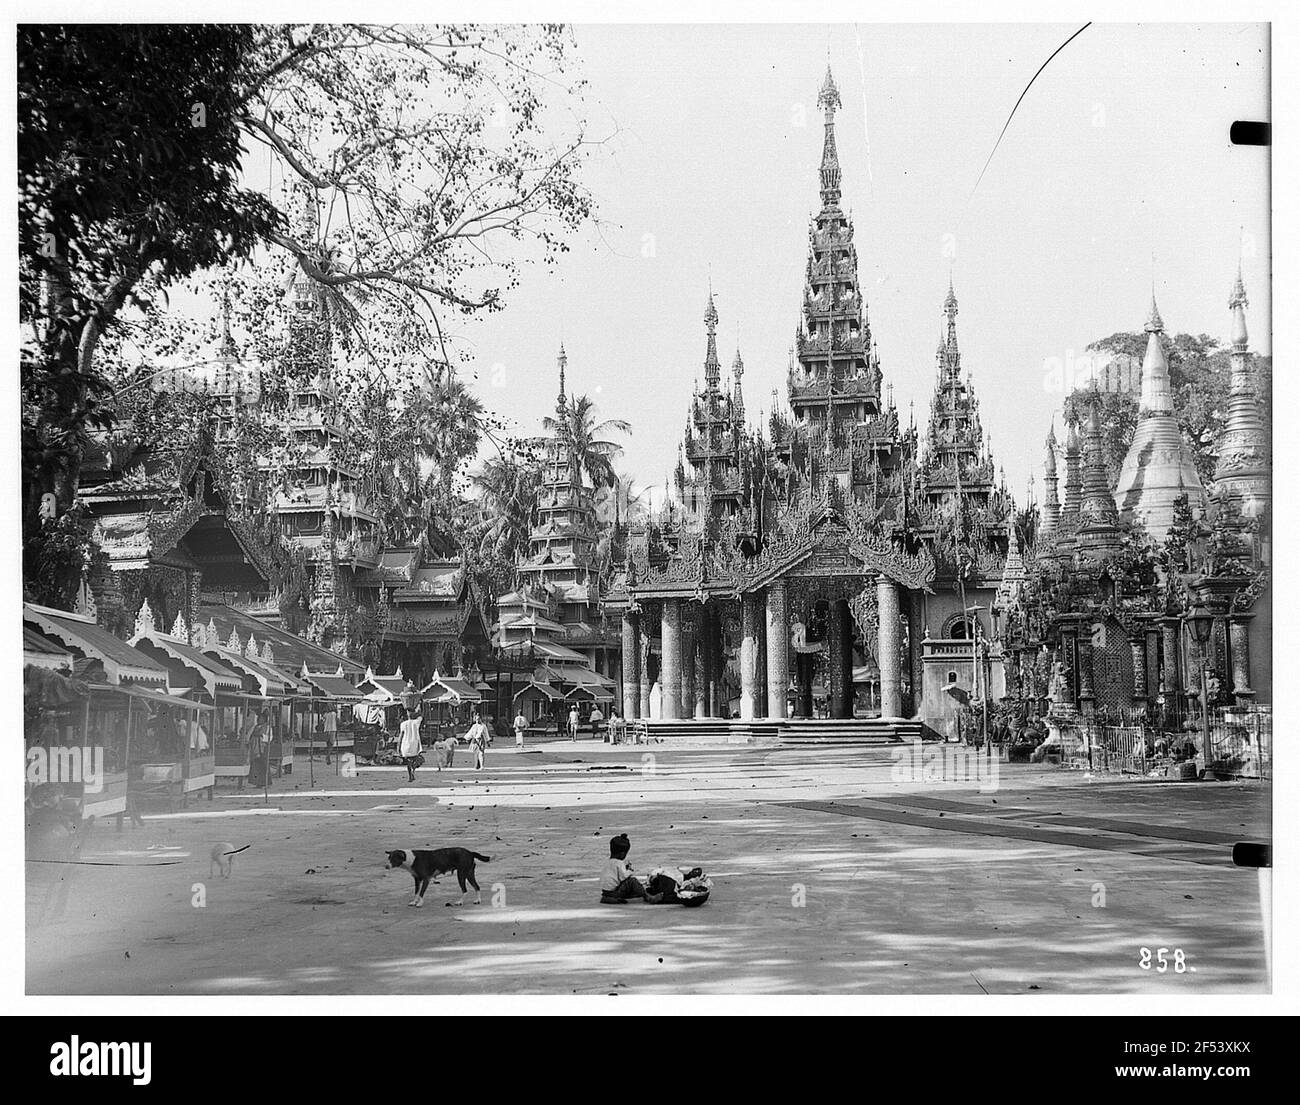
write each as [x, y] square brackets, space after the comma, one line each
[1116, 173]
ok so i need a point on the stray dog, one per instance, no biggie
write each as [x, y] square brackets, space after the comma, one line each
[425, 866]
[223, 855]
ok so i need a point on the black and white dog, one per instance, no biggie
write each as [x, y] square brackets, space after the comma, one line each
[425, 866]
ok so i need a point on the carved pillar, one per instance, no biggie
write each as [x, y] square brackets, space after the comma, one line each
[1139, 646]
[717, 665]
[1239, 641]
[915, 632]
[760, 698]
[840, 658]
[749, 689]
[701, 645]
[778, 644]
[690, 613]
[1169, 660]
[891, 692]
[631, 665]
[670, 667]
[1152, 640]
[643, 671]
[1087, 697]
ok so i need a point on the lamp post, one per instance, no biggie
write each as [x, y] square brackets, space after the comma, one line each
[1202, 624]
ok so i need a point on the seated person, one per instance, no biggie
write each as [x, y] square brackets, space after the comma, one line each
[617, 883]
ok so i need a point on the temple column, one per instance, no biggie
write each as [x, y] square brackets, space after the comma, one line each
[717, 666]
[1087, 698]
[670, 668]
[749, 688]
[778, 672]
[840, 660]
[1169, 661]
[760, 698]
[891, 692]
[631, 665]
[643, 671]
[700, 685]
[1153, 665]
[1138, 645]
[915, 632]
[1239, 646]
[690, 613]
[804, 664]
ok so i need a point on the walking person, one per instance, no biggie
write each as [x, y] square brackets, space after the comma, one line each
[409, 744]
[478, 741]
[595, 717]
[520, 725]
[574, 722]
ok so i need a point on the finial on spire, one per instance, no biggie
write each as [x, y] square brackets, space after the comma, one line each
[828, 99]
[229, 351]
[1154, 323]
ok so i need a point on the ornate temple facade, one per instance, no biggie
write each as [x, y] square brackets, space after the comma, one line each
[1131, 593]
[802, 574]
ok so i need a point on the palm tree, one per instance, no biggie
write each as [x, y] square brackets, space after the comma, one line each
[595, 454]
[507, 486]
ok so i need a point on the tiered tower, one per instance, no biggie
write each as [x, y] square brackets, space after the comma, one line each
[1051, 503]
[1158, 468]
[845, 432]
[321, 504]
[562, 544]
[712, 488]
[1241, 477]
[956, 463]
[1098, 534]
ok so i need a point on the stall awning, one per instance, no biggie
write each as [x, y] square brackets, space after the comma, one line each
[596, 694]
[157, 697]
[81, 635]
[270, 681]
[448, 688]
[334, 686]
[213, 675]
[40, 652]
[549, 693]
[582, 676]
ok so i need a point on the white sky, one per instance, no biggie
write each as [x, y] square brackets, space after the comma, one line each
[1118, 152]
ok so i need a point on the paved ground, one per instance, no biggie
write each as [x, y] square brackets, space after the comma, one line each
[834, 872]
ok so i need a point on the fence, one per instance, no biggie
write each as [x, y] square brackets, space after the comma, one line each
[1236, 742]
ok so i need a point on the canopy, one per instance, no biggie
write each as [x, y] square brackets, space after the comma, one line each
[334, 686]
[547, 692]
[596, 694]
[79, 634]
[40, 652]
[213, 675]
[448, 688]
[157, 697]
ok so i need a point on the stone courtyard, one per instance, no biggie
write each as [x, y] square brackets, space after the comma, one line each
[832, 874]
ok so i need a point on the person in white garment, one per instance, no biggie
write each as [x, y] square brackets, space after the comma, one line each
[477, 739]
[409, 743]
[520, 725]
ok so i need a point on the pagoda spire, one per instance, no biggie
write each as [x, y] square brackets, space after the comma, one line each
[229, 351]
[1158, 469]
[737, 396]
[1157, 398]
[1241, 475]
[1051, 504]
[561, 401]
[828, 99]
[712, 366]
[1073, 476]
[1098, 519]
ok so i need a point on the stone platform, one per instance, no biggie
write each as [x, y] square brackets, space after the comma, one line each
[852, 732]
